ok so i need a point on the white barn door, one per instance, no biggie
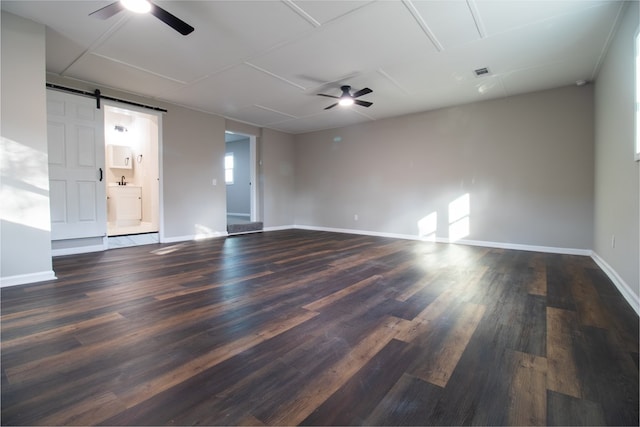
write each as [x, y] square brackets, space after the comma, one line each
[75, 132]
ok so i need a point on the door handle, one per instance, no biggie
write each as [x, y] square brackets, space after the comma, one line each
[100, 169]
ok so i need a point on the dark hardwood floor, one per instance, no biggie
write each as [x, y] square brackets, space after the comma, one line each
[303, 327]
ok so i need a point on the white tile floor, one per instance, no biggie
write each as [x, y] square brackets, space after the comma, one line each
[133, 240]
[144, 227]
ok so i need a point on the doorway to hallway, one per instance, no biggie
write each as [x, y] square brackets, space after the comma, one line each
[240, 179]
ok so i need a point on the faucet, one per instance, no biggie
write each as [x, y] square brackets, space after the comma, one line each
[122, 181]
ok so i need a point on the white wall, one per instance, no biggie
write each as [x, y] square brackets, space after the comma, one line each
[526, 163]
[25, 237]
[617, 188]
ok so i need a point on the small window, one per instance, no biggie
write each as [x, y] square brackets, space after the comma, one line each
[228, 168]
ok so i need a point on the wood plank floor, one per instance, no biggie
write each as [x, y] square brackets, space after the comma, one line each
[314, 328]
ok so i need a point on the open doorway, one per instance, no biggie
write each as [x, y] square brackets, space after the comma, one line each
[132, 176]
[240, 179]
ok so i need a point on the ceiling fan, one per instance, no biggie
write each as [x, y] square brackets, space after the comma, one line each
[144, 6]
[347, 98]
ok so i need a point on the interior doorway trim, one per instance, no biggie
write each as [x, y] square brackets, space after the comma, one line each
[253, 175]
[158, 113]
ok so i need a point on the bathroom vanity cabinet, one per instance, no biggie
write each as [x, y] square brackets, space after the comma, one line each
[125, 205]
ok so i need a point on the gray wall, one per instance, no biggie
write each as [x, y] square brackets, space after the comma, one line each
[239, 193]
[617, 175]
[277, 172]
[192, 156]
[25, 238]
[525, 161]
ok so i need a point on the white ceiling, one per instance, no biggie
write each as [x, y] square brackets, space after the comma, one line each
[263, 62]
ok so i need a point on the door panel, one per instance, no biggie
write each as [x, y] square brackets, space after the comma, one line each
[86, 147]
[57, 201]
[55, 138]
[76, 155]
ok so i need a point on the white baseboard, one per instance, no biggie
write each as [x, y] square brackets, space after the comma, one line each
[23, 279]
[78, 250]
[246, 232]
[177, 239]
[623, 287]
[279, 228]
[530, 248]
[498, 245]
[361, 232]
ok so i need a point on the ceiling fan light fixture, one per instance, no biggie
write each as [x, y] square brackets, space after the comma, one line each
[137, 6]
[345, 101]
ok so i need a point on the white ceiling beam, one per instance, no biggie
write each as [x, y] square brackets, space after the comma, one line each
[423, 25]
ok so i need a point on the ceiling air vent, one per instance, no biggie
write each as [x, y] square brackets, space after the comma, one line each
[481, 72]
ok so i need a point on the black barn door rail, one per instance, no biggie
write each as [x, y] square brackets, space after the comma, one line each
[99, 96]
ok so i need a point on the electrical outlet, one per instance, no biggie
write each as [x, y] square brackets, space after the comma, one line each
[214, 181]
[355, 217]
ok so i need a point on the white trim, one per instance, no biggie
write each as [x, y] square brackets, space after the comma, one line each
[279, 228]
[636, 148]
[79, 250]
[245, 232]
[246, 215]
[623, 287]
[362, 232]
[531, 248]
[177, 239]
[160, 195]
[253, 178]
[23, 279]
[498, 245]
[160, 179]
[253, 172]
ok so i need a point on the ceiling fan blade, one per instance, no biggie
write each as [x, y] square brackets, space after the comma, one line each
[171, 20]
[362, 103]
[361, 92]
[108, 11]
[331, 106]
[329, 96]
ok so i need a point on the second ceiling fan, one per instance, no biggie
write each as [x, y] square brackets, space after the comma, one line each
[144, 6]
[348, 98]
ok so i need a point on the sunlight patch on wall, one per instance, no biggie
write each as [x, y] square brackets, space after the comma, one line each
[204, 232]
[428, 226]
[459, 211]
[25, 185]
